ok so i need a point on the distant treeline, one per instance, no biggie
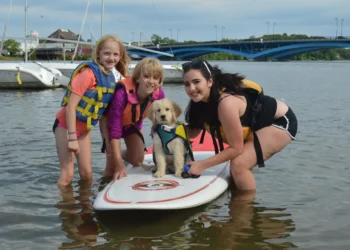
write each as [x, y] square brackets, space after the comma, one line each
[327, 54]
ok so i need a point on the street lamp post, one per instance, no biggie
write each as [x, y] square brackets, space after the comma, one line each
[25, 32]
[336, 29]
[273, 28]
[341, 27]
[171, 33]
[177, 36]
[102, 13]
[140, 38]
[268, 27]
[222, 32]
[216, 37]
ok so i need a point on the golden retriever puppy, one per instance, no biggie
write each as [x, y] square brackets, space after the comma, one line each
[171, 147]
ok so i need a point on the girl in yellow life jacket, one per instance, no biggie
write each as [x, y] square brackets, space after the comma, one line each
[235, 111]
[89, 92]
[126, 113]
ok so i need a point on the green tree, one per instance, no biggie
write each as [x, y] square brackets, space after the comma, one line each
[156, 39]
[13, 47]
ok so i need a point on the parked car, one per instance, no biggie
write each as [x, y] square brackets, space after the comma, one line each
[4, 52]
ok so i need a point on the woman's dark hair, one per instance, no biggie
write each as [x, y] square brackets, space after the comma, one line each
[197, 114]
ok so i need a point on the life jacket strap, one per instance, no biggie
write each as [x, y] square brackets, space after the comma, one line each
[88, 123]
[255, 111]
[102, 90]
[202, 137]
[258, 151]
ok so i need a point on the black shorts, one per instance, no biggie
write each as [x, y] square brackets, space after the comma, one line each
[55, 124]
[288, 122]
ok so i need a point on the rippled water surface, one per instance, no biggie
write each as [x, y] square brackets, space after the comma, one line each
[302, 198]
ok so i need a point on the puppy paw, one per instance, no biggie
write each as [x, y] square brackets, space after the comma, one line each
[178, 174]
[159, 174]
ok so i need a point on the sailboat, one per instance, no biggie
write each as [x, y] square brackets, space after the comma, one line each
[172, 74]
[20, 75]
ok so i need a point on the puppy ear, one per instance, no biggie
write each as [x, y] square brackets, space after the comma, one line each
[177, 110]
[150, 113]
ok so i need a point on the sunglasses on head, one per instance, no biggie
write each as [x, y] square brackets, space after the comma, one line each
[197, 64]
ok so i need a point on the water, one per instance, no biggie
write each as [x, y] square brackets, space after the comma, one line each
[302, 198]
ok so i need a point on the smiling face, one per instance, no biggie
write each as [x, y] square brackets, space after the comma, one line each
[148, 82]
[109, 55]
[196, 86]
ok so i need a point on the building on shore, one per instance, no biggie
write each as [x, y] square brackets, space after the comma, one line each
[54, 50]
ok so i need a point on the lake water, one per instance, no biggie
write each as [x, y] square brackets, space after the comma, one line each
[302, 198]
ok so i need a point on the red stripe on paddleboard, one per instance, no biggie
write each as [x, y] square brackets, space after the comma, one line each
[105, 197]
[180, 197]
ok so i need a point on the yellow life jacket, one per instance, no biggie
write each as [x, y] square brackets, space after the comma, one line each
[247, 130]
[94, 102]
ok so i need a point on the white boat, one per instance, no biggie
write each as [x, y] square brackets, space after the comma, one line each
[29, 75]
[172, 73]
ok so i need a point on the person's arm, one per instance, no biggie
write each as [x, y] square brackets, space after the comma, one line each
[104, 127]
[71, 122]
[105, 132]
[115, 129]
[228, 112]
[193, 132]
[120, 169]
[83, 81]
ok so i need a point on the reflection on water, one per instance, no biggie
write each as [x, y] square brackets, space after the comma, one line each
[246, 226]
[237, 222]
[76, 213]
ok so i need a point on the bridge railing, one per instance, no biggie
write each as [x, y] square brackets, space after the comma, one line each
[251, 41]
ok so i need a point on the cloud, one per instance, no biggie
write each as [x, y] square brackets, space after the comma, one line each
[183, 19]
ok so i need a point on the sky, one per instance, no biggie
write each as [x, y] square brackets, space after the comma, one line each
[182, 20]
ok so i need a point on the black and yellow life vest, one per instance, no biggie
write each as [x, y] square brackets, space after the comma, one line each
[216, 131]
[167, 134]
[94, 102]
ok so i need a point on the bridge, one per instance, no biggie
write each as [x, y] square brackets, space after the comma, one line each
[254, 50]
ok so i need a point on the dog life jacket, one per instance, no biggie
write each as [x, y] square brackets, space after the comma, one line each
[167, 134]
[217, 131]
[94, 102]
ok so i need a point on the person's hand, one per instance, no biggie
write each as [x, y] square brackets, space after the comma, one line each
[197, 167]
[120, 172]
[73, 146]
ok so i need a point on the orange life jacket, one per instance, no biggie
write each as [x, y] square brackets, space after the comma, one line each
[132, 112]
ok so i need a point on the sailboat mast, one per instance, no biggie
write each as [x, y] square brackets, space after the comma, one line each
[3, 36]
[102, 12]
[81, 31]
[25, 32]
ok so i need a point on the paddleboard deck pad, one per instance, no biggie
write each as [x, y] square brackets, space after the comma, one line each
[141, 190]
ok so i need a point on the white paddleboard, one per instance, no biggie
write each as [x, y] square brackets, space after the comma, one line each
[141, 190]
